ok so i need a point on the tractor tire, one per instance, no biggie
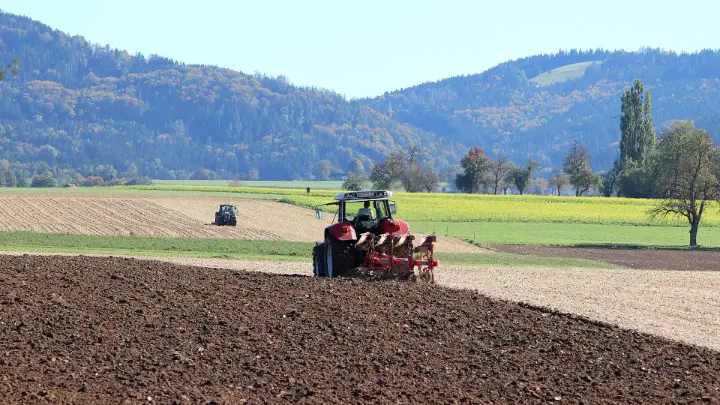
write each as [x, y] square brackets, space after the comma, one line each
[338, 257]
[319, 259]
[218, 220]
[233, 222]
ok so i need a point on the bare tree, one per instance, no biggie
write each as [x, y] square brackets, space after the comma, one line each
[499, 169]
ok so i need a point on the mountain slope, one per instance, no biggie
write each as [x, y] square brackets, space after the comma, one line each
[80, 106]
[539, 105]
[75, 104]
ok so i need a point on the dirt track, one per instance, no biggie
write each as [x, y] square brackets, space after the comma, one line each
[181, 216]
[101, 330]
[634, 258]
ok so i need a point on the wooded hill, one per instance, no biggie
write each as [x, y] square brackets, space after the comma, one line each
[79, 105]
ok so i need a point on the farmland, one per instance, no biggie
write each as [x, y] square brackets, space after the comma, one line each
[125, 329]
[483, 208]
[111, 330]
[314, 184]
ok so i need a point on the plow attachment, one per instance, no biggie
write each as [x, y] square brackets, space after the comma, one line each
[404, 257]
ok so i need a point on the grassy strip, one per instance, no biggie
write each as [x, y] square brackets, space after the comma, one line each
[194, 246]
[551, 234]
[236, 249]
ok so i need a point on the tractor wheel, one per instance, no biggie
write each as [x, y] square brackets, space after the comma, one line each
[218, 220]
[233, 222]
[319, 260]
[338, 257]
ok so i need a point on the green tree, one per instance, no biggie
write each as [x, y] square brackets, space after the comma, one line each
[429, 179]
[356, 166]
[475, 166]
[610, 179]
[688, 174]
[509, 180]
[499, 169]
[323, 169]
[396, 167]
[13, 67]
[21, 178]
[636, 125]
[558, 180]
[42, 180]
[522, 177]
[354, 182]
[577, 166]
[9, 179]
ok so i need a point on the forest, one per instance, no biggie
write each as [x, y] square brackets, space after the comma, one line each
[75, 108]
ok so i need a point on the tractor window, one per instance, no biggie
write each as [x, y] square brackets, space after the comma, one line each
[382, 209]
[352, 209]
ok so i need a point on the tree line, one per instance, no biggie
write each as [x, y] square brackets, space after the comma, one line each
[680, 168]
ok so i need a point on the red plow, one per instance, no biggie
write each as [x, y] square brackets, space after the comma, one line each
[366, 239]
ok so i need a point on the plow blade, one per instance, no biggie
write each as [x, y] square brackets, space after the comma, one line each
[399, 256]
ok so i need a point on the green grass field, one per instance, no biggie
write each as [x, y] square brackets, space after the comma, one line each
[529, 233]
[561, 74]
[234, 249]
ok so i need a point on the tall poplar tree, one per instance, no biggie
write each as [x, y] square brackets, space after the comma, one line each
[636, 125]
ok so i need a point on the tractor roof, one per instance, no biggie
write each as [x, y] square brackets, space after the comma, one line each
[364, 195]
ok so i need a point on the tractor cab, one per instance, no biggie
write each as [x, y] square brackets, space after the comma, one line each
[366, 211]
[226, 215]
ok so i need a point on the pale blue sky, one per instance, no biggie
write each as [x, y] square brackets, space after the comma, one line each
[363, 48]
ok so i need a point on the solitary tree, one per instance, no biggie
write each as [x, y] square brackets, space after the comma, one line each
[499, 169]
[523, 177]
[688, 172]
[475, 165]
[354, 182]
[558, 180]
[577, 166]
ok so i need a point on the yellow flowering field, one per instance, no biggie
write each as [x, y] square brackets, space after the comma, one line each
[487, 208]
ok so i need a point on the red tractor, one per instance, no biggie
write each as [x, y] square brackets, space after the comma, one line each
[367, 239]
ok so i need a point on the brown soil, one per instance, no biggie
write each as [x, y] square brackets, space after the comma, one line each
[658, 259]
[111, 331]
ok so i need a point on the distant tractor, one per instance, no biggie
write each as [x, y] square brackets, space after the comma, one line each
[367, 239]
[226, 215]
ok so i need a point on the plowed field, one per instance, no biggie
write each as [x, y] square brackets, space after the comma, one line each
[168, 216]
[111, 331]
